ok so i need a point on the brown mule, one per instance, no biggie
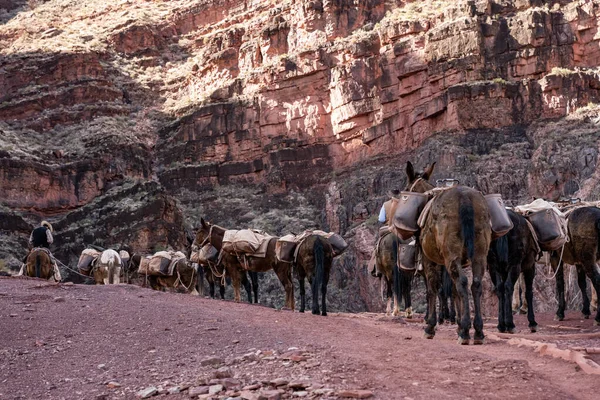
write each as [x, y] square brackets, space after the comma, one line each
[231, 267]
[456, 233]
[39, 265]
[314, 260]
[184, 279]
[213, 234]
[583, 251]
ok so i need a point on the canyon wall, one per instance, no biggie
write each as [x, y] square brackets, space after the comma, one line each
[128, 121]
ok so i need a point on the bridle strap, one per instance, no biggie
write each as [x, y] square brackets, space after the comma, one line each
[415, 183]
[208, 237]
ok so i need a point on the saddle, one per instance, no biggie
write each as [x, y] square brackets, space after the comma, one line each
[86, 260]
[549, 224]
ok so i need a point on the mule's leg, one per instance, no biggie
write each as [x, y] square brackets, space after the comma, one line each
[397, 288]
[461, 282]
[478, 268]
[247, 287]
[211, 285]
[433, 274]
[105, 276]
[301, 283]
[582, 283]
[117, 275]
[509, 287]
[284, 273]
[406, 288]
[254, 278]
[324, 283]
[237, 285]
[499, 289]
[560, 285]
[528, 275]
[388, 286]
[592, 271]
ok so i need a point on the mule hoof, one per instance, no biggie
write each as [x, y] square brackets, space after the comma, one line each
[316, 312]
[596, 323]
[512, 331]
[324, 314]
[533, 328]
[522, 312]
[478, 341]
[586, 316]
[559, 318]
[463, 341]
[501, 329]
[428, 335]
[302, 311]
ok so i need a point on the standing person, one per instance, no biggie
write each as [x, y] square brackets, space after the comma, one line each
[384, 220]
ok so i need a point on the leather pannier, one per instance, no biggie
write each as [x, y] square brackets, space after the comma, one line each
[338, 244]
[407, 213]
[501, 223]
[407, 256]
[285, 248]
[207, 253]
[548, 228]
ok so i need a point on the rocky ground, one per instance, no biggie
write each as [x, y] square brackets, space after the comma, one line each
[103, 342]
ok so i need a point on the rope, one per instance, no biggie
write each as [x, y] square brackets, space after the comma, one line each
[179, 281]
[71, 269]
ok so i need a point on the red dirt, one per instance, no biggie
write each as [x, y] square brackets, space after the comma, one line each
[55, 338]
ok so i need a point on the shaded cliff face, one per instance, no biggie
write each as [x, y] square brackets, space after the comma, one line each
[285, 115]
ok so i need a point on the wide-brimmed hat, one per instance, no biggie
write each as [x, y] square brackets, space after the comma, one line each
[394, 192]
[47, 225]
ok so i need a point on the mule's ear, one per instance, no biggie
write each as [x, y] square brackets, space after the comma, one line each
[202, 222]
[428, 172]
[410, 171]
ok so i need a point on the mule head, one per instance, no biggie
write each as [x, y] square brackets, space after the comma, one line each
[209, 233]
[418, 181]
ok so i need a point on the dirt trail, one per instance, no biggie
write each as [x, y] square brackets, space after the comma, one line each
[96, 342]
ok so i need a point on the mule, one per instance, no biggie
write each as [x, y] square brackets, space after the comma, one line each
[510, 255]
[39, 264]
[213, 234]
[398, 282]
[106, 269]
[583, 251]
[456, 233]
[184, 278]
[231, 267]
[314, 260]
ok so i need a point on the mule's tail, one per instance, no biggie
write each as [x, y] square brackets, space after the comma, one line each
[598, 232]
[111, 270]
[38, 266]
[467, 226]
[446, 284]
[319, 255]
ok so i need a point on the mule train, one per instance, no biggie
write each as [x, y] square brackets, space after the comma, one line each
[440, 232]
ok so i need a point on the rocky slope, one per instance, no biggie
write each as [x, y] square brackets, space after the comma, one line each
[284, 115]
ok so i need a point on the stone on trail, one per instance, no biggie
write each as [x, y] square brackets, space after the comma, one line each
[301, 393]
[148, 392]
[279, 382]
[248, 395]
[223, 372]
[197, 391]
[270, 395]
[113, 384]
[298, 385]
[214, 389]
[251, 387]
[211, 361]
[355, 394]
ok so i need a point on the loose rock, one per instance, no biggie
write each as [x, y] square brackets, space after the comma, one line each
[148, 392]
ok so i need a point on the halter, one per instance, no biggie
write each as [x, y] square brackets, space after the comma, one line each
[207, 238]
[415, 183]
